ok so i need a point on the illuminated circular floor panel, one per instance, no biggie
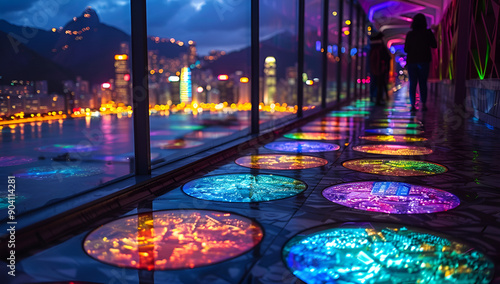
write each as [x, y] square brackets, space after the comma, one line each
[384, 253]
[68, 148]
[9, 161]
[349, 113]
[393, 138]
[396, 124]
[302, 147]
[162, 133]
[243, 188]
[175, 144]
[313, 128]
[314, 136]
[334, 123]
[207, 135]
[173, 239]
[394, 167]
[187, 127]
[401, 120]
[397, 150]
[391, 197]
[280, 162]
[59, 172]
[394, 131]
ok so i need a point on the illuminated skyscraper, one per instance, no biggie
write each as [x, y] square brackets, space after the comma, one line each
[269, 80]
[186, 85]
[122, 77]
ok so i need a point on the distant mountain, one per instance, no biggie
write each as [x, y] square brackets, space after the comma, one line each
[85, 46]
[23, 63]
[282, 46]
[41, 41]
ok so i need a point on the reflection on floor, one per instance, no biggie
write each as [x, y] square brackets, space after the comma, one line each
[331, 216]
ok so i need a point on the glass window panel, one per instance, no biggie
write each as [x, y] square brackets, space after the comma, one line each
[66, 126]
[199, 75]
[332, 50]
[312, 53]
[278, 61]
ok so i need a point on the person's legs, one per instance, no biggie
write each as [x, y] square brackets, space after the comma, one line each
[422, 82]
[413, 75]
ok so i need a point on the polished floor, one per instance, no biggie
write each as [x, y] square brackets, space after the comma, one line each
[376, 195]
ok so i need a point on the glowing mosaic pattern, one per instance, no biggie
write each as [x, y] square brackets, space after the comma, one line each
[396, 125]
[314, 136]
[4, 200]
[9, 161]
[302, 147]
[207, 135]
[401, 120]
[391, 197]
[243, 188]
[394, 131]
[398, 150]
[393, 167]
[175, 144]
[348, 113]
[393, 138]
[400, 116]
[68, 148]
[187, 127]
[325, 128]
[327, 123]
[161, 133]
[280, 162]
[53, 173]
[376, 253]
[173, 239]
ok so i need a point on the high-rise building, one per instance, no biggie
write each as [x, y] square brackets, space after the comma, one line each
[122, 78]
[186, 92]
[269, 95]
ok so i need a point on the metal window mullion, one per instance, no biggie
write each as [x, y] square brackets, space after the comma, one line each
[339, 48]
[140, 92]
[324, 86]
[300, 58]
[255, 63]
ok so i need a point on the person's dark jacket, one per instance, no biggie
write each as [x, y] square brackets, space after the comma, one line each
[418, 46]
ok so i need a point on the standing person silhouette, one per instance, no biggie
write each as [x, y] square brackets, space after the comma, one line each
[418, 44]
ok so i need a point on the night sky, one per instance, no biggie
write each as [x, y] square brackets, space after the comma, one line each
[213, 24]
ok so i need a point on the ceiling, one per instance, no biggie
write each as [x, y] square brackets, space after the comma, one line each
[394, 17]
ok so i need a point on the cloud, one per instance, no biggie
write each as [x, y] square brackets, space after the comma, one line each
[8, 7]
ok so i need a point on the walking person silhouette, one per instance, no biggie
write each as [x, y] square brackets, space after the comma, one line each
[418, 44]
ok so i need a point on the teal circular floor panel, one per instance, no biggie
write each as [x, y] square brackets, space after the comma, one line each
[384, 253]
[243, 187]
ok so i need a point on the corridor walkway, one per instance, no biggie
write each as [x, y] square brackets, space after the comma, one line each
[361, 195]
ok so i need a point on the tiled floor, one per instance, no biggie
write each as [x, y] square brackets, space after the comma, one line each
[467, 148]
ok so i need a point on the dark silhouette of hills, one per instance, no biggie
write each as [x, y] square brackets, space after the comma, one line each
[85, 46]
[23, 63]
[282, 46]
[41, 41]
